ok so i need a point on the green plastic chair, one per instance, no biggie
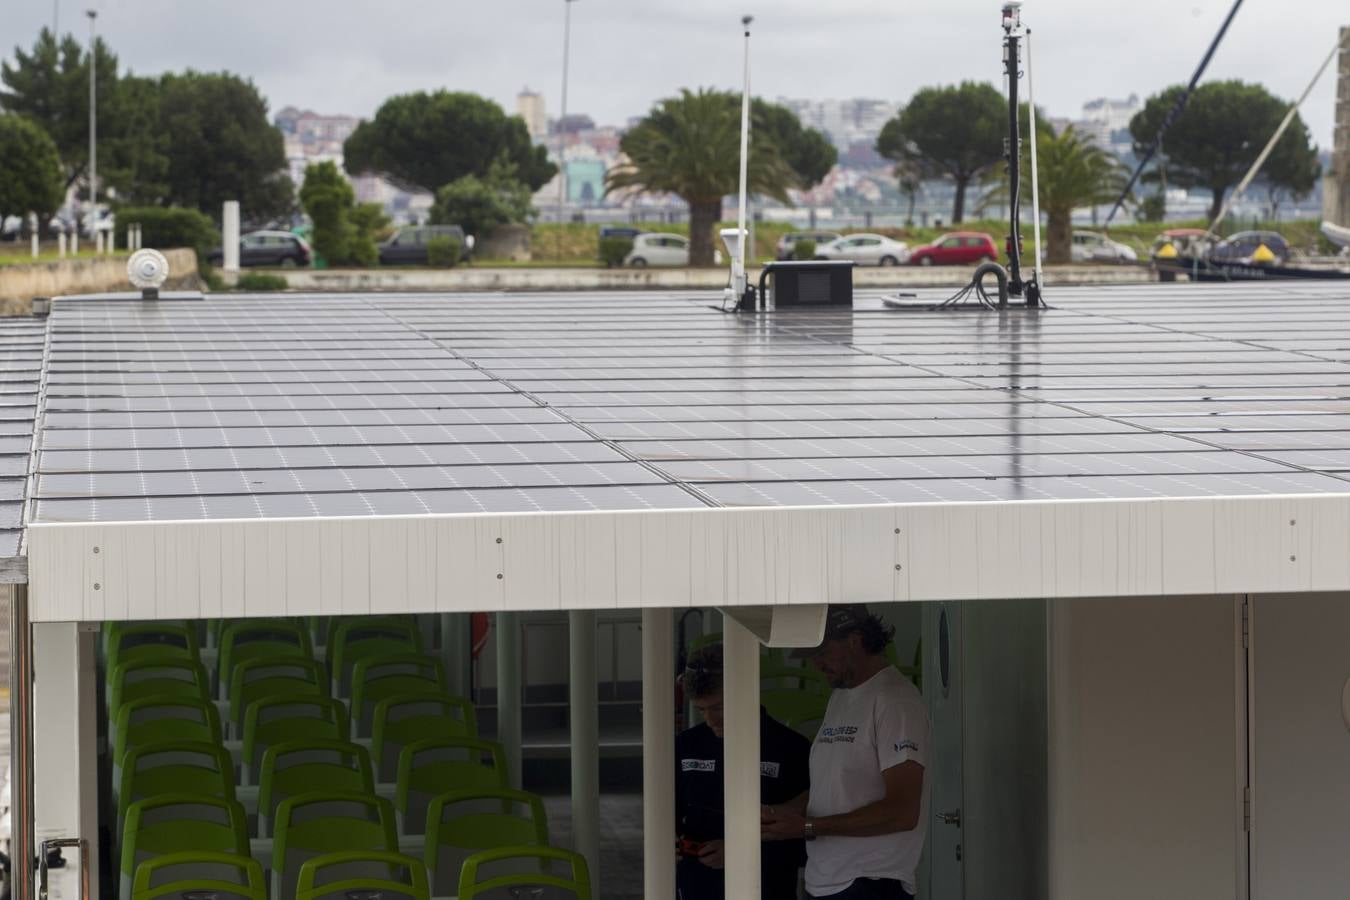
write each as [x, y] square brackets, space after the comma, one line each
[270, 676]
[150, 641]
[431, 767]
[358, 639]
[802, 712]
[156, 720]
[179, 823]
[460, 823]
[913, 671]
[294, 768]
[404, 718]
[164, 678]
[312, 825]
[249, 882]
[193, 768]
[377, 677]
[289, 717]
[412, 885]
[766, 654]
[256, 639]
[475, 883]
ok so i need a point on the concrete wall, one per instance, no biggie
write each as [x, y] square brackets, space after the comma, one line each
[1143, 793]
[19, 284]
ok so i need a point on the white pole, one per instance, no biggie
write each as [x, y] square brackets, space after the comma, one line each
[230, 238]
[740, 773]
[562, 115]
[508, 693]
[93, 120]
[1035, 172]
[61, 245]
[738, 263]
[658, 754]
[112, 240]
[75, 240]
[33, 230]
[98, 242]
[583, 700]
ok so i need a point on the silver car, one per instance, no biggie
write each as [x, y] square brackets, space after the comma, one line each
[1089, 246]
[866, 250]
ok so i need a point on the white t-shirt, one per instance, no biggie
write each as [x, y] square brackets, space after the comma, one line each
[881, 723]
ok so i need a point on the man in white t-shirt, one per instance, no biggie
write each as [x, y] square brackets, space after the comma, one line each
[865, 816]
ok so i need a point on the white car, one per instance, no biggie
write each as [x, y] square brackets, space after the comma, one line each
[656, 249]
[866, 250]
[1089, 246]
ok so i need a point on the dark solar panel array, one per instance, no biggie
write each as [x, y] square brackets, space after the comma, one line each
[385, 404]
[21, 341]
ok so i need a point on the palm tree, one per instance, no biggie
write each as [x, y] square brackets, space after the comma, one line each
[690, 146]
[1074, 172]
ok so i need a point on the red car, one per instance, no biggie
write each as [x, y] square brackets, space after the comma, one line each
[956, 249]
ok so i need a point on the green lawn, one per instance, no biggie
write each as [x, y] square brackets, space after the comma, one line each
[24, 255]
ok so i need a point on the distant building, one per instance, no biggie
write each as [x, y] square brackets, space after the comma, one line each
[1103, 119]
[530, 107]
[844, 122]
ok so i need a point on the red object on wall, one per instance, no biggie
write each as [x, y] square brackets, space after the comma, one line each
[480, 625]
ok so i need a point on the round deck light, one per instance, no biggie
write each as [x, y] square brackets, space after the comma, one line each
[147, 270]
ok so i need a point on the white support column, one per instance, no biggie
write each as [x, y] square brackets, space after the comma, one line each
[456, 652]
[61, 245]
[98, 243]
[230, 235]
[508, 692]
[658, 754]
[33, 229]
[583, 699]
[75, 241]
[740, 772]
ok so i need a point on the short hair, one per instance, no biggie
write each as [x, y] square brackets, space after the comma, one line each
[703, 671]
[876, 634]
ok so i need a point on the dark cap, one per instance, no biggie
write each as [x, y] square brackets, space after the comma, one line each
[841, 620]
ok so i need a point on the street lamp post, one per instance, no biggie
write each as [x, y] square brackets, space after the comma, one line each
[93, 122]
[562, 116]
[738, 262]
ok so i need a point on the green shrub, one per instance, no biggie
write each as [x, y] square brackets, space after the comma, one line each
[443, 252]
[169, 227]
[261, 282]
[804, 250]
[214, 282]
[613, 250]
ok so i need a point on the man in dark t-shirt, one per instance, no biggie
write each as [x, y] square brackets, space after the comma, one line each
[785, 761]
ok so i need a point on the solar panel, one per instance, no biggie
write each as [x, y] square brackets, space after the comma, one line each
[21, 343]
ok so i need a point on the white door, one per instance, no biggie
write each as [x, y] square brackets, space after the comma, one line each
[943, 686]
[1300, 683]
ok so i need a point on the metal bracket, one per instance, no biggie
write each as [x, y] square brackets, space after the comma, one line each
[56, 844]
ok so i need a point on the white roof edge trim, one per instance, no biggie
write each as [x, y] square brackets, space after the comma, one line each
[699, 557]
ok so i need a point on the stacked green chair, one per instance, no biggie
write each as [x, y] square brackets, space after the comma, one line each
[404, 718]
[794, 695]
[156, 720]
[431, 767]
[460, 823]
[208, 876]
[270, 676]
[329, 822]
[913, 671]
[294, 768]
[256, 639]
[376, 678]
[150, 641]
[342, 876]
[358, 639]
[179, 823]
[477, 882]
[137, 680]
[288, 717]
[191, 768]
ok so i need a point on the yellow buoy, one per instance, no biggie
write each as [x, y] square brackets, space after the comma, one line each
[1167, 251]
[1262, 255]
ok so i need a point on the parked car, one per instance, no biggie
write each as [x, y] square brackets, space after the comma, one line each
[1089, 246]
[957, 248]
[866, 250]
[788, 242]
[408, 245]
[268, 248]
[1240, 247]
[657, 249]
[619, 231]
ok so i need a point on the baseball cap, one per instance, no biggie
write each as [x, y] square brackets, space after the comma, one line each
[840, 620]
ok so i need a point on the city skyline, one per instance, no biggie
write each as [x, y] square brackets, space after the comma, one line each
[338, 62]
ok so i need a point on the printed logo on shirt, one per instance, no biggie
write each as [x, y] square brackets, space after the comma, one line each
[906, 745]
[835, 734]
[770, 769]
[698, 765]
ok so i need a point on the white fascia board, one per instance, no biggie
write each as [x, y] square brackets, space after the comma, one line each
[703, 557]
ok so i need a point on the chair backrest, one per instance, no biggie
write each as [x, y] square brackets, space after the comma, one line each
[193, 768]
[340, 876]
[139, 679]
[783, 677]
[358, 639]
[150, 641]
[255, 638]
[269, 676]
[800, 711]
[200, 874]
[181, 823]
[154, 720]
[289, 717]
[460, 823]
[476, 878]
[404, 718]
[294, 768]
[377, 677]
[312, 825]
[431, 767]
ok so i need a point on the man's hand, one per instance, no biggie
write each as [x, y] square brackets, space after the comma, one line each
[713, 854]
[778, 823]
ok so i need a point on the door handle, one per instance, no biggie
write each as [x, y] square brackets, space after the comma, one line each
[56, 844]
[951, 818]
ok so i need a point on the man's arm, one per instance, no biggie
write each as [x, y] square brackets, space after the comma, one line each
[897, 811]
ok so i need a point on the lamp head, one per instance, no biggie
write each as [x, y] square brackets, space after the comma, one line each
[746, 20]
[148, 270]
[1012, 15]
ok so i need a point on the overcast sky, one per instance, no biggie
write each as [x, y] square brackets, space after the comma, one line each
[348, 55]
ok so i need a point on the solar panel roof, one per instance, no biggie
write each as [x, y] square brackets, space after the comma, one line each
[324, 405]
[21, 341]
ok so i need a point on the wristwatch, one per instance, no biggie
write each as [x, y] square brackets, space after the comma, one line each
[809, 830]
